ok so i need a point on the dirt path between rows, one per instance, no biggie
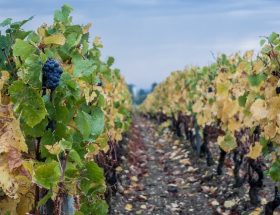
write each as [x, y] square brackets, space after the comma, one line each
[161, 175]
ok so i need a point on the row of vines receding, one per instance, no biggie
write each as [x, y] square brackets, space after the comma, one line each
[233, 103]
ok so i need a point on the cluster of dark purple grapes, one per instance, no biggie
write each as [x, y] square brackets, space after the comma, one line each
[51, 74]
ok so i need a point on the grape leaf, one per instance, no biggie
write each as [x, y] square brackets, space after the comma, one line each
[32, 72]
[227, 142]
[63, 14]
[84, 124]
[6, 22]
[93, 177]
[7, 180]
[10, 135]
[100, 207]
[97, 121]
[47, 174]
[83, 67]
[23, 49]
[256, 80]
[28, 103]
[56, 39]
[255, 151]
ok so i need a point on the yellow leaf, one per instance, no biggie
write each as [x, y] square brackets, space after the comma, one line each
[128, 207]
[249, 54]
[255, 151]
[256, 211]
[222, 89]
[26, 203]
[243, 66]
[4, 77]
[57, 39]
[233, 124]
[41, 31]
[273, 107]
[134, 178]
[10, 132]
[258, 109]
[258, 66]
[270, 130]
[197, 107]
[8, 206]
[230, 109]
[7, 181]
[86, 28]
[53, 149]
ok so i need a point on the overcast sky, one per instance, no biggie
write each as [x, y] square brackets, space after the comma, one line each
[151, 38]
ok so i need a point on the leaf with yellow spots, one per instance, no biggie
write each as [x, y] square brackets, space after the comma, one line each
[255, 151]
[11, 135]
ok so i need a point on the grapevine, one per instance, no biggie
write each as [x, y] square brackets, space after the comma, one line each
[58, 114]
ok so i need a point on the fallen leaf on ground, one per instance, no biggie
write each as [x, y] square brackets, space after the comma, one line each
[128, 207]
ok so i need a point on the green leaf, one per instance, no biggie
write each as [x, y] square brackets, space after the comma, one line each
[63, 14]
[98, 121]
[28, 102]
[37, 131]
[18, 25]
[74, 156]
[93, 177]
[6, 45]
[32, 72]
[83, 67]
[273, 36]
[65, 145]
[262, 42]
[6, 22]
[23, 49]
[84, 124]
[100, 207]
[47, 174]
[110, 61]
[242, 99]
[47, 139]
[274, 171]
[256, 80]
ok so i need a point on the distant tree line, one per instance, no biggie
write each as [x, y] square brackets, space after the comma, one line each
[140, 95]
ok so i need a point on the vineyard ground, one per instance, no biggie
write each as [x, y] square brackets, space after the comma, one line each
[161, 175]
